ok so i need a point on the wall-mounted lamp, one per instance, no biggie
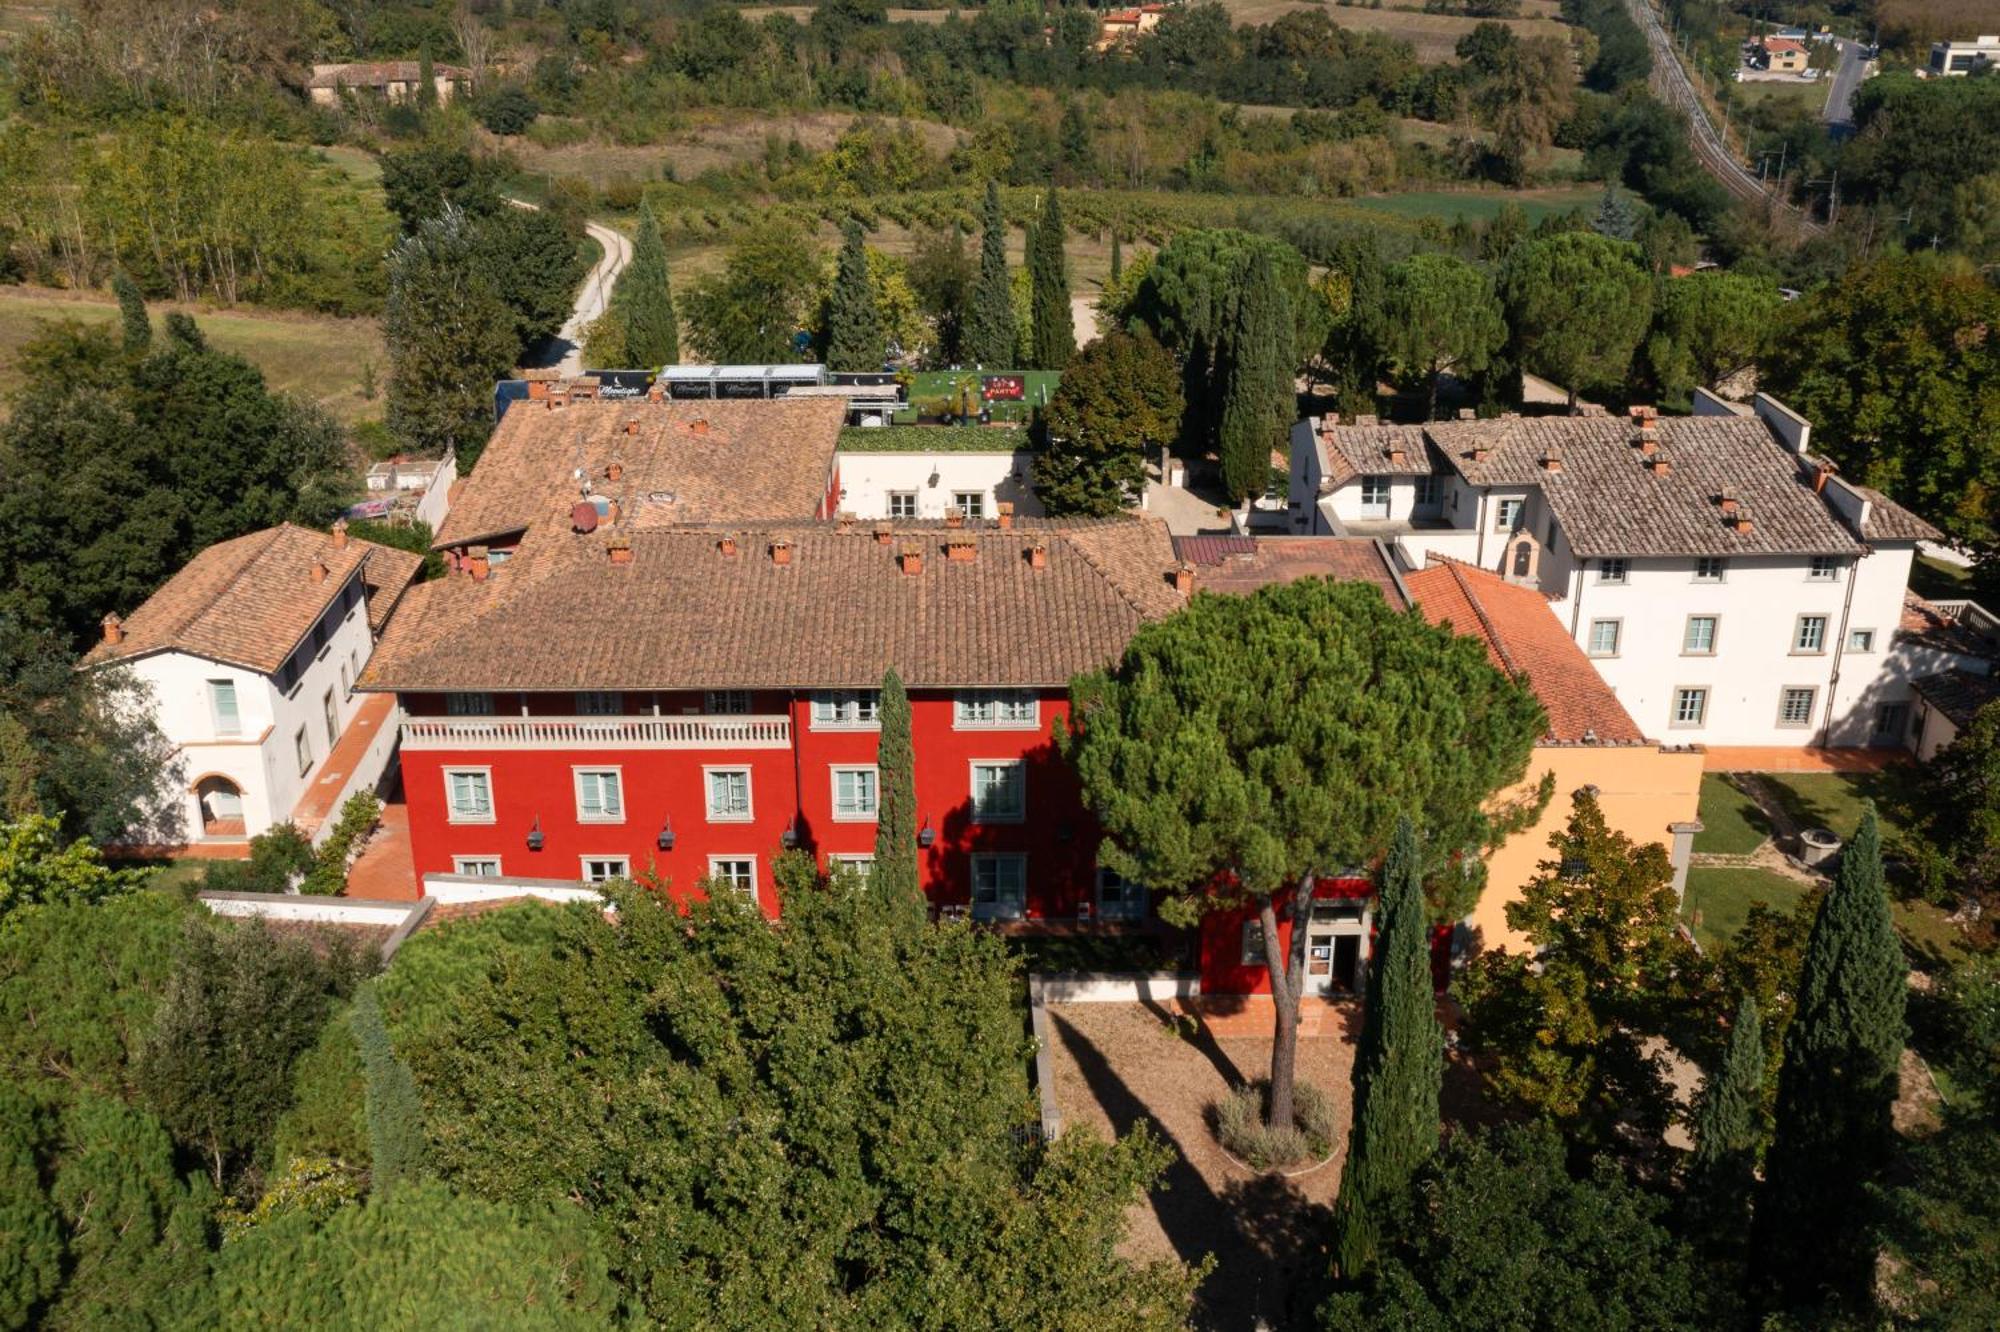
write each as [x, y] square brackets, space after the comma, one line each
[535, 834]
[927, 835]
[666, 838]
[935, 476]
[789, 838]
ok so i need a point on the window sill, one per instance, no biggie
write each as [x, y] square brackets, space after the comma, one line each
[1602, 656]
[1709, 653]
[470, 819]
[596, 819]
[1807, 652]
[870, 817]
[732, 818]
[1035, 725]
[845, 726]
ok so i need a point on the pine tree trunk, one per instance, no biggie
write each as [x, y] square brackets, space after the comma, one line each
[1287, 970]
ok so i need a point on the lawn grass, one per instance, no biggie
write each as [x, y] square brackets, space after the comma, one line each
[1731, 823]
[318, 357]
[1834, 799]
[1719, 898]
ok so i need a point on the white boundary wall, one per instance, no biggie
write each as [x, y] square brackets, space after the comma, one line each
[1104, 987]
[449, 889]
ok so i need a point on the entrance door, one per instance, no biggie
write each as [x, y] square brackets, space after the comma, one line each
[1336, 946]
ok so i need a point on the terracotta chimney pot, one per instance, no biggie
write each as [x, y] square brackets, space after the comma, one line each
[1658, 465]
[961, 550]
[1038, 556]
[318, 571]
[912, 558]
[954, 517]
[476, 563]
[340, 534]
[698, 427]
[1740, 522]
[1479, 452]
[632, 425]
[781, 551]
[1005, 508]
[114, 629]
[1727, 502]
[1182, 575]
[617, 470]
[620, 551]
[1552, 460]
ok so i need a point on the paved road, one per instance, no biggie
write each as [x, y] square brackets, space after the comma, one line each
[1670, 83]
[1847, 76]
[565, 350]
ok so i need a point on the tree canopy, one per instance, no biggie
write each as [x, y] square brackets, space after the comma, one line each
[989, 322]
[1577, 304]
[1439, 313]
[854, 339]
[764, 294]
[1119, 397]
[451, 334]
[1710, 326]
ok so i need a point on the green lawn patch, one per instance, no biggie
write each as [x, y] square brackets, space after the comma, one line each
[931, 439]
[1731, 823]
[1834, 799]
[1719, 898]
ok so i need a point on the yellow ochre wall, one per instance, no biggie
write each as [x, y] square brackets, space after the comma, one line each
[1641, 789]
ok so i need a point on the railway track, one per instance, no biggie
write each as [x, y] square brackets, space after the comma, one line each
[1671, 85]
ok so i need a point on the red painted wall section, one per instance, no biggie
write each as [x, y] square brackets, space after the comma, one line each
[1056, 835]
[1222, 967]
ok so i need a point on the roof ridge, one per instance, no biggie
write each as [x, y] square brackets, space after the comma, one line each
[1457, 571]
[1104, 573]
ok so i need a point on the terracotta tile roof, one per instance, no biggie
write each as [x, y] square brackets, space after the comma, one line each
[684, 462]
[1608, 503]
[1959, 695]
[249, 601]
[1244, 564]
[1936, 626]
[1524, 638]
[387, 574]
[1890, 521]
[1348, 451]
[681, 614]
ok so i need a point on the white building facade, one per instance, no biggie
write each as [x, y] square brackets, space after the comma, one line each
[1729, 587]
[903, 485]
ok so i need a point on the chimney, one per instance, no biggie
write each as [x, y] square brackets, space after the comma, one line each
[1038, 556]
[1366, 419]
[1727, 502]
[616, 471]
[1396, 454]
[698, 427]
[475, 563]
[781, 551]
[727, 546]
[954, 517]
[1739, 522]
[1649, 438]
[631, 426]
[318, 570]
[1467, 414]
[1552, 459]
[961, 550]
[845, 519]
[912, 558]
[1480, 451]
[340, 534]
[620, 549]
[114, 630]
[1005, 508]
[656, 394]
[1182, 576]
[1820, 474]
[1658, 465]
[883, 533]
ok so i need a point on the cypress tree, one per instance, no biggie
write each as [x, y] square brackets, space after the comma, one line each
[1398, 1066]
[853, 325]
[1257, 380]
[895, 872]
[1055, 329]
[1117, 260]
[989, 333]
[644, 299]
[427, 92]
[390, 1100]
[1835, 1091]
[1728, 1130]
[132, 317]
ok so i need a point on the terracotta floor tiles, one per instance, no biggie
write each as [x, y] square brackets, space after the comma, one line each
[385, 869]
[1773, 758]
[314, 807]
[1251, 1015]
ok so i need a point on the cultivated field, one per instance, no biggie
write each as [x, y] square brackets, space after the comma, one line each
[1913, 24]
[1433, 35]
[313, 356]
[1480, 205]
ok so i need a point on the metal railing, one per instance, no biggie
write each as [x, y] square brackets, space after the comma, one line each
[597, 732]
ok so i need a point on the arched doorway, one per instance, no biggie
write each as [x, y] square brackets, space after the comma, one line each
[221, 802]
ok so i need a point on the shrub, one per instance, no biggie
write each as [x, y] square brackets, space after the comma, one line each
[508, 110]
[358, 818]
[1240, 1127]
[277, 858]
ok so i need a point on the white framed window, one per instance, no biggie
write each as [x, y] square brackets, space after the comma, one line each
[860, 863]
[735, 872]
[468, 795]
[346, 681]
[725, 702]
[1710, 569]
[1861, 640]
[477, 867]
[330, 710]
[856, 709]
[1891, 718]
[1374, 497]
[997, 709]
[1809, 634]
[1253, 943]
[902, 504]
[728, 794]
[999, 791]
[222, 707]
[855, 796]
[1506, 514]
[1690, 706]
[602, 869]
[971, 503]
[599, 702]
[600, 795]
[1604, 637]
[1613, 571]
[1118, 898]
[999, 887]
[1698, 638]
[1427, 492]
[463, 704]
[1823, 569]
[1795, 705]
[303, 744]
